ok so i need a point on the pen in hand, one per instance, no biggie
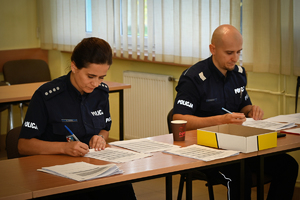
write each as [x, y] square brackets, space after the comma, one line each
[226, 110]
[72, 133]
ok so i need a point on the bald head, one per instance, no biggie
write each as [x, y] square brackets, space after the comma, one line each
[226, 46]
[224, 33]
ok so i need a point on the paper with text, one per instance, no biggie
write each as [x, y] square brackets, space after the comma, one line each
[115, 155]
[144, 145]
[82, 171]
[267, 124]
[291, 118]
[202, 153]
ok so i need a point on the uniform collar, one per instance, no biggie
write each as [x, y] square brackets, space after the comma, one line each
[216, 72]
[72, 90]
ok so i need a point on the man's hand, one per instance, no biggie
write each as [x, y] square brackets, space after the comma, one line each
[234, 118]
[256, 113]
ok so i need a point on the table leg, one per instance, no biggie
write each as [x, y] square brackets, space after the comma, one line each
[169, 187]
[189, 183]
[121, 114]
[260, 179]
[242, 171]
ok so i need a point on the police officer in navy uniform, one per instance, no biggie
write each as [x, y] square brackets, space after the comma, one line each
[78, 100]
[216, 83]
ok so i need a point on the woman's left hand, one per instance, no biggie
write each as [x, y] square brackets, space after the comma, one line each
[97, 142]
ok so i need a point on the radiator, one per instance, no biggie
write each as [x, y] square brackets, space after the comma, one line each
[146, 104]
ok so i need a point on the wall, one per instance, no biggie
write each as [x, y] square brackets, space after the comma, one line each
[18, 31]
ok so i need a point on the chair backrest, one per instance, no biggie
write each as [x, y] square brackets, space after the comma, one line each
[26, 71]
[169, 119]
[12, 139]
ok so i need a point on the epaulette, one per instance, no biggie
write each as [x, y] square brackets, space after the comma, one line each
[103, 86]
[239, 69]
[50, 90]
[204, 74]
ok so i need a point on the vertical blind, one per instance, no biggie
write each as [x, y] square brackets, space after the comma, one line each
[178, 31]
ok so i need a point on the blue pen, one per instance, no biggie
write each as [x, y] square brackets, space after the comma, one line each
[72, 133]
[226, 110]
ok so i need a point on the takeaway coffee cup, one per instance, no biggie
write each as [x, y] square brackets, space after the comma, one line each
[178, 129]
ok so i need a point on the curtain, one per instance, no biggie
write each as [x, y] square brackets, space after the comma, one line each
[296, 36]
[61, 23]
[271, 36]
[177, 31]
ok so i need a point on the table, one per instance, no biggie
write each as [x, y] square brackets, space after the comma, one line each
[24, 92]
[21, 173]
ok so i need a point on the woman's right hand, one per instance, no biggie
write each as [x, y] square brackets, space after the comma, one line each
[76, 148]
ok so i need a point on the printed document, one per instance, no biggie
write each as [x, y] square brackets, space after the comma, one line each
[202, 153]
[115, 155]
[144, 145]
[291, 118]
[267, 124]
[82, 171]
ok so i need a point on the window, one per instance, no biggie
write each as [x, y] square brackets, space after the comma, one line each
[88, 16]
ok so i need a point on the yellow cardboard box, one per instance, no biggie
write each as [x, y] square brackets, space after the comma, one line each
[237, 137]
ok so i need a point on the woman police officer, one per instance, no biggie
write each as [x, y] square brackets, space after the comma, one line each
[78, 100]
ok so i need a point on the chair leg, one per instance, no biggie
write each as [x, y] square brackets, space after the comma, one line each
[21, 112]
[210, 191]
[10, 120]
[181, 185]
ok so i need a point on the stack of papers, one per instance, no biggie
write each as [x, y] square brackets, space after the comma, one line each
[115, 155]
[267, 124]
[144, 145]
[82, 171]
[294, 118]
[202, 153]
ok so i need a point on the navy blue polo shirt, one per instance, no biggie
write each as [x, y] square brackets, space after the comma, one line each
[58, 103]
[203, 90]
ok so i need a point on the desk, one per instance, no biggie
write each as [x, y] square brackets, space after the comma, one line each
[21, 173]
[24, 92]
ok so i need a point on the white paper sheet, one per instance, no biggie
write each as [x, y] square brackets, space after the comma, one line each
[202, 153]
[267, 124]
[294, 118]
[82, 171]
[144, 145]
[115, 155]
[293, 130]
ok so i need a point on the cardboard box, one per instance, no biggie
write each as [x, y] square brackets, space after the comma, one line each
[237, 137]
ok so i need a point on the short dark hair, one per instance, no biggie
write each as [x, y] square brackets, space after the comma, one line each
[91, 50]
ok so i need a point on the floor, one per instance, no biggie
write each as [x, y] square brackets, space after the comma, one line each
[155, 189]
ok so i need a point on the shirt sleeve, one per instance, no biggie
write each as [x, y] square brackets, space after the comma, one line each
[36, 118]
[107, 117]
[187, 99]
[246, 98]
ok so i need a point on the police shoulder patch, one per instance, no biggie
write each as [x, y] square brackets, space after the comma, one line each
[51, 90]
[202, 77]
[240, 69]
[104, 87]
